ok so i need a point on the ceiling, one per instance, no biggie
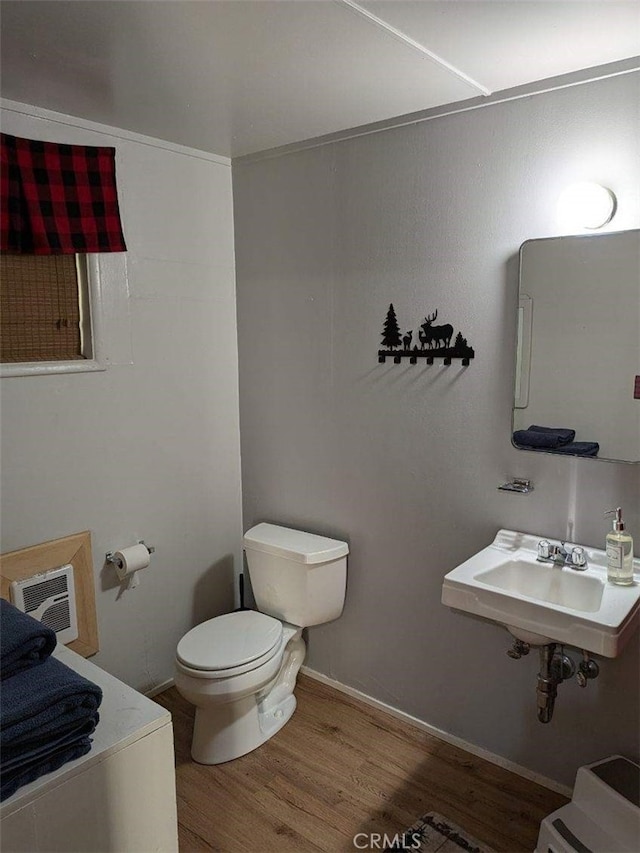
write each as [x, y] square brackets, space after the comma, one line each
[235, 77]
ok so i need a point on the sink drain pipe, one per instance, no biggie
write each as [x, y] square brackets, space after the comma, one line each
[547, 683]
[555, 667]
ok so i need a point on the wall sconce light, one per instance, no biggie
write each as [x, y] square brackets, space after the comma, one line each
[586, 205]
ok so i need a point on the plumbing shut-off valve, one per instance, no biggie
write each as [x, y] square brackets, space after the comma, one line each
[587, 669]
[518, 650]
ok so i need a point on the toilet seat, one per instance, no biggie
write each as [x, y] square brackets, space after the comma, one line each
[230, 645]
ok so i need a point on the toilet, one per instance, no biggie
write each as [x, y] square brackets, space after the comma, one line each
[240, 669]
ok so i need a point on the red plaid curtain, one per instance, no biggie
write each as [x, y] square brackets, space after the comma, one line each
[58, 199]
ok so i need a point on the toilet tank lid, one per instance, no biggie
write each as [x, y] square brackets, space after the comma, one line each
[293, 544]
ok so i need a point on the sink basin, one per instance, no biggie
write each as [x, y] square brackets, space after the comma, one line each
[542, 603]
[543, 582]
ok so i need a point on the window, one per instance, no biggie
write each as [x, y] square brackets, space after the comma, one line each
[56, 200]
[44, 308]
[97, 331]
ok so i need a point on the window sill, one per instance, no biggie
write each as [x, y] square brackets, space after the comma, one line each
[46, 368]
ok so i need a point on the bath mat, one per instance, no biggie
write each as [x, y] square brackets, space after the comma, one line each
[436, 833]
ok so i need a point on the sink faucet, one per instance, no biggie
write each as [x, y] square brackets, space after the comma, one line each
[575, 557]
[558, 554]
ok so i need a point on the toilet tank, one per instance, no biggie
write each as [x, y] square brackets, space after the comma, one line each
[297, 577]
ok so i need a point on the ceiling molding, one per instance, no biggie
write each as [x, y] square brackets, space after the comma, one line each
[540, 87]
[33, 111]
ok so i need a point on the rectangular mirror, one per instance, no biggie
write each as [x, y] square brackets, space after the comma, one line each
[578, 350]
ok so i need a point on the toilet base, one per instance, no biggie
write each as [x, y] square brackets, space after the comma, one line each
[228, 731]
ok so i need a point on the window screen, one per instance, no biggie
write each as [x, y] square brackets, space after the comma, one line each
[41, 299]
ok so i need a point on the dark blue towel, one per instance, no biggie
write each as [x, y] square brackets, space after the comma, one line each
[563, 434]
[37, 705]
[531, 439]
[574, 448]
[19, 758]
[46, 717]
[32, 769]
[24, 642]
[578, 448]
[543, 438]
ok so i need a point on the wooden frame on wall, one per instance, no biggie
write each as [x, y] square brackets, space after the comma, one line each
[74, 549]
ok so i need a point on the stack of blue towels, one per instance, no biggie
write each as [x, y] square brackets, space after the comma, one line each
[554, 440]
[47, 711]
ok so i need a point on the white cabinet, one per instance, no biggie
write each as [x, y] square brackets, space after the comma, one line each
[119, 798]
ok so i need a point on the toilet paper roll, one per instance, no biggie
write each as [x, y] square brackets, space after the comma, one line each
[131, 560]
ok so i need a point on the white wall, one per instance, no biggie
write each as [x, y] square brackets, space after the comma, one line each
[148, 449]
[404, 461]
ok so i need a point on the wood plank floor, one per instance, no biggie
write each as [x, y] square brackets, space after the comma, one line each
[340, 767]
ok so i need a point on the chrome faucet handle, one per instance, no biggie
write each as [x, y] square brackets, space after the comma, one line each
[578, 558]
[544, 548]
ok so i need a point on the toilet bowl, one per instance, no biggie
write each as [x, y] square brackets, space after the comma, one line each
[240, 669]
[245, 696]
[241, 704]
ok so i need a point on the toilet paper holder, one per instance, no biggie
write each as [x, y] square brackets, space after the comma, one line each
[129, 561]
[110, 555]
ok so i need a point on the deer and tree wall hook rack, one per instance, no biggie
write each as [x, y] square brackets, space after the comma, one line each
[433, 342]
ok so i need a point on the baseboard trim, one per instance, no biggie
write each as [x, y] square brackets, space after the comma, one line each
[478, 751]
[159, 688]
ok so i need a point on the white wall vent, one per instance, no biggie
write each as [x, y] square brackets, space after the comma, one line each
[50, 598]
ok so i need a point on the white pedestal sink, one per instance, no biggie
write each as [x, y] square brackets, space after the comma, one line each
[542, 603]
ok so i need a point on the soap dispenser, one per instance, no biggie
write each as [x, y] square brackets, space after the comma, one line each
[619, 547]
